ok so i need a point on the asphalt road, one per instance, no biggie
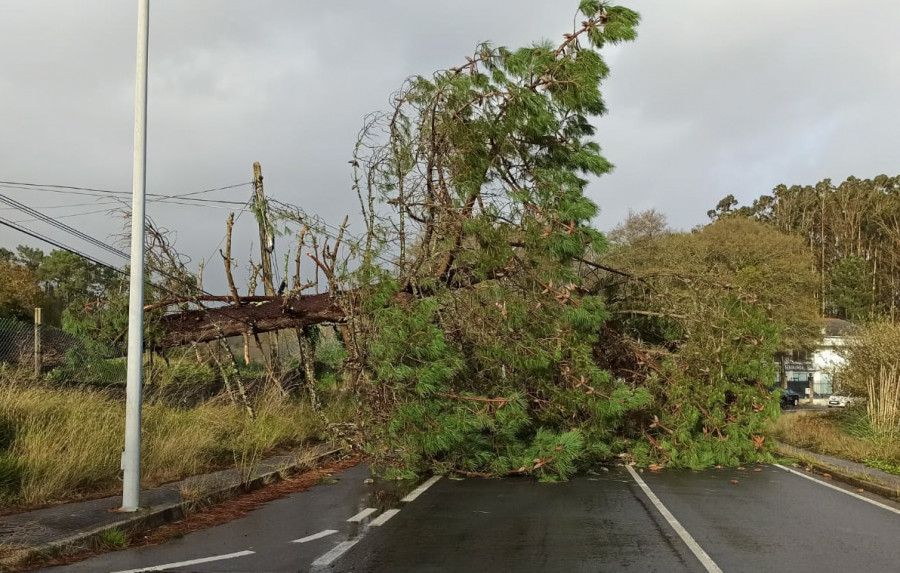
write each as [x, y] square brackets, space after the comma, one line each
[620, 520]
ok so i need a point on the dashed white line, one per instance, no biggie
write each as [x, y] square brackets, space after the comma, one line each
[343, 547]
[698, 551]
[382, 519]
[186, 563]
[335, 553]
[315, 536]
[420, 490]
[842, 490]
[362, 515]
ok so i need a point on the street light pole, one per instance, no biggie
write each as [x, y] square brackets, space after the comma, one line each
[131, 457]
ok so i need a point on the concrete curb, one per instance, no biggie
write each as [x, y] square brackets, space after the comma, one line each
[155, 516]
[863, 479]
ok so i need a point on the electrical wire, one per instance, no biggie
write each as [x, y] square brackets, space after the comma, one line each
[186, 198]
[65, 188]
[63, 227]
[35, 235]
[65, 216]
[58, 245]
[87, 238]
[236, 219]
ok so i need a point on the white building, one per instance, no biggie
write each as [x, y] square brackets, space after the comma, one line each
[818, 366]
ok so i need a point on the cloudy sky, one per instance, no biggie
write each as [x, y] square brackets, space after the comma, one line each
[714, 97]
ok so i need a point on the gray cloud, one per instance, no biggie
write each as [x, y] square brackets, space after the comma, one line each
[714, 98]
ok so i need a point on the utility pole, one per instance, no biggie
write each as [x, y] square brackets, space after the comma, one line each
[266, 240]
[131, 457]
[266, 246]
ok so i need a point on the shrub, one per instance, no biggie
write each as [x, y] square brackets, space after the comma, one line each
[873, 369]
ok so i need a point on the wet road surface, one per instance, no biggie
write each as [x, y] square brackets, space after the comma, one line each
[771, 520]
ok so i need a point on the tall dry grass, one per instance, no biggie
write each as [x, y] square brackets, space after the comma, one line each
[873, 367]
[846, 434]
[66, 443]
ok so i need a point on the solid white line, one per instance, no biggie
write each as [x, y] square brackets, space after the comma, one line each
[382, 519]
[186, 563]
[698, 551]
[335, 553]
[315, 536]
[362, 514]
[420, 490]
[842, 490]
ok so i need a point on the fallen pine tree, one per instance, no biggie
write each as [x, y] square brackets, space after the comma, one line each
[489, 328]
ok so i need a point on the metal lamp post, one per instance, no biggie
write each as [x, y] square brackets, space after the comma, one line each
[131, 457]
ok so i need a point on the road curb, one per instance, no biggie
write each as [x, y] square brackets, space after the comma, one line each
[814, 462]
[146, 519]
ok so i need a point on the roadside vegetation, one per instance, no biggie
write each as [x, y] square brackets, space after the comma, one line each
[844, 433]
[867, 431]
[63, 443]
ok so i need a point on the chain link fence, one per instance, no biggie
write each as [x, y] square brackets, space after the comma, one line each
[50, 353]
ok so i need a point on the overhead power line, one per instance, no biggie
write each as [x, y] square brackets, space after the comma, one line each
[64, 188]
[69, 215]
[81, 235]
[188, 199]
[62, 226]
[58, 245]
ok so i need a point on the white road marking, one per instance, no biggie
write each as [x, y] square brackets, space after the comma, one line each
[420, 490]
[335, 553]
[362, 515]
[842, 490]
[186, 563]
[343, 547]
[382, 519]
[315, 536]
[698, 551]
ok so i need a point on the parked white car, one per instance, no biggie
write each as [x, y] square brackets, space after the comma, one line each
[842, 400]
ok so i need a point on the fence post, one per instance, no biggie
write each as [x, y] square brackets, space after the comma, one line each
[38, 317]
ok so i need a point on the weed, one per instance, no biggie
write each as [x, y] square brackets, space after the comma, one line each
[889, 466]
[192, 490]
[326, 479]
[113, 538]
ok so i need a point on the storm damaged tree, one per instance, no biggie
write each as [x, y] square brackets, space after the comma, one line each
[489, 330]
[470, 321]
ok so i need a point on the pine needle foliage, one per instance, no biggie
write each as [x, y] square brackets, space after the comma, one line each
[479, 337]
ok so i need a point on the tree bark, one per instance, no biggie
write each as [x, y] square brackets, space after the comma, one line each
[216, 323]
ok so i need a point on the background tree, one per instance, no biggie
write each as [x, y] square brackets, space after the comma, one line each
[857, 221]
[705, 313]
[19, 291]
[645, 225]
[850, 293]
[29, 256]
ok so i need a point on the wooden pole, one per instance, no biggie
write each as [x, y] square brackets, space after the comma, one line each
[266, 246]
[38, 319]
[265, 238]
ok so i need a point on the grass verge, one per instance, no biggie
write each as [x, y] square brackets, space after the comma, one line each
[844, 433]
[58, 444]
